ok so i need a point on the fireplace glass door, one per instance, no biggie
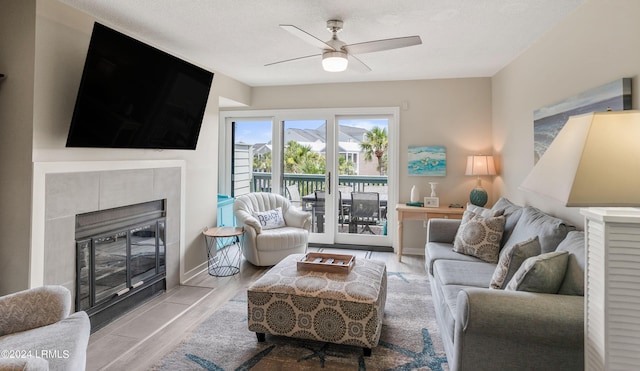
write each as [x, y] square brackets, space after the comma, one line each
[112, 264]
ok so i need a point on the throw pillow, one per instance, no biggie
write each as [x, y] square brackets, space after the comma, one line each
[543, 273]
[483, 211]
[573, 283]
[511, 213]
[534, 222]
[511, 258]
[270, 219]
[479, 236]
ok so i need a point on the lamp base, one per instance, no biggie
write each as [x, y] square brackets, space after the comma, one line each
[478, 197]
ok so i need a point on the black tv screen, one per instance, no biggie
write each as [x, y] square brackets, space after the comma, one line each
[133, 95]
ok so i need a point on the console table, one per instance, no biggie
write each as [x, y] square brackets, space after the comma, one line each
[423, 213]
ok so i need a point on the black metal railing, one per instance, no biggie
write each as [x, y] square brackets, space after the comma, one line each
[308, 183]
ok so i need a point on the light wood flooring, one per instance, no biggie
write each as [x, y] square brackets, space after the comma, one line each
[140, 338]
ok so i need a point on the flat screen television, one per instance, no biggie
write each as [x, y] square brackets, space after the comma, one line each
[133, 95]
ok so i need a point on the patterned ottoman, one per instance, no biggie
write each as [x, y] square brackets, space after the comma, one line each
[333, 307]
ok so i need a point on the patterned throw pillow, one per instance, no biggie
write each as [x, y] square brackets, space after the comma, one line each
[543, 273]
[511, 258]
[479, 236]
[270, 219]
[482, 211]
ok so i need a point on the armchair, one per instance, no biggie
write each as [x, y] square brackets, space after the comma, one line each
[266, 247]
[36, 324]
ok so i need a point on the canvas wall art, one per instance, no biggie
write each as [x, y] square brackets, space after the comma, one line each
[427, 161]
[547, 121]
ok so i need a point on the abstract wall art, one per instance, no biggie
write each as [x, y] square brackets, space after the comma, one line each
[427, 161]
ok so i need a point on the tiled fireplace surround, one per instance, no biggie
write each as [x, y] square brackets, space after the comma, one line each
[62, 190]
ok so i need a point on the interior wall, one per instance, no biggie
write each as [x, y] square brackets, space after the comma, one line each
[62, 39]
[455, 113]
[595, 45]
[44, 44]
[17, 35]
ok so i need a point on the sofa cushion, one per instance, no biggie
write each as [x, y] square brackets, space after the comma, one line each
[511, 258]
[511, 213]
[543, 273]
[573, 283]
[533, 222]
[451, 272]
[435, 251]
[479, 236]
[272, 239]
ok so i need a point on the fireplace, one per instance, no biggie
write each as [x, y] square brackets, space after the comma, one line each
[64, 190]
[120, 259]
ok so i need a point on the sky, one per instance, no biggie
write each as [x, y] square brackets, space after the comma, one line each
[252, 132]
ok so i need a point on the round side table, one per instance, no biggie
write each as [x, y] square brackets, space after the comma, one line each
[223, 261]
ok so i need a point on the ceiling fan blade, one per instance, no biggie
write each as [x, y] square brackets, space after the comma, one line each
[304, 35]
[356, 63]
[293, 59]
[379, 45]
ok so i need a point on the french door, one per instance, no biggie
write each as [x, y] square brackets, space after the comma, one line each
[323, 161]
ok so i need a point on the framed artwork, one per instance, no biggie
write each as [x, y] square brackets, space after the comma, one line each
[547, 121]
[427, 161]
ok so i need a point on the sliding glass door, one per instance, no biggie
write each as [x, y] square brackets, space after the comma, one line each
[334, 166]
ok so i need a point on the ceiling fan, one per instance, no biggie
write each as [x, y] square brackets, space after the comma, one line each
[336, 54]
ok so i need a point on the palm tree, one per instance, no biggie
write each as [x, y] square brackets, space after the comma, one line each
[376, 144]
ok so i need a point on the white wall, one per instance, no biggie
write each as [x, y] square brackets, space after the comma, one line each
[455, 113]
[595, 45]
[17, 35]
[44, 44]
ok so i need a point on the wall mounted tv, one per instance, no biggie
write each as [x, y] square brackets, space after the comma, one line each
[135, 96]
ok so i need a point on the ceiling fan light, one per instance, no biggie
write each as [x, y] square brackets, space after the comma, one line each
[334, 61]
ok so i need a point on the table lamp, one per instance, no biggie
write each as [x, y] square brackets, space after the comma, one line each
[594, 162]
[480, 165]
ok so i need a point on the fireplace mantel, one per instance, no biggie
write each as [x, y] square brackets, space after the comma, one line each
[63, 189]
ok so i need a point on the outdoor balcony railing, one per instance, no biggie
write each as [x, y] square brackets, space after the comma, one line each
[308, 183]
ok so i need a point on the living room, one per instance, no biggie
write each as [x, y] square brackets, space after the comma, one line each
[44, 44]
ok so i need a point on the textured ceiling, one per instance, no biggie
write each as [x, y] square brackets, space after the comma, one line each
[460, 38]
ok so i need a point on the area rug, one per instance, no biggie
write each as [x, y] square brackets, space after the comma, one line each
[410, 339]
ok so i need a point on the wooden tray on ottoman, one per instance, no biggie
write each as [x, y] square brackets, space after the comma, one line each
[322, 262]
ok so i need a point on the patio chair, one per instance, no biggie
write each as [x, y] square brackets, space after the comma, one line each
[318, 210]
[344, 212]
[294, 195]
[365, 210]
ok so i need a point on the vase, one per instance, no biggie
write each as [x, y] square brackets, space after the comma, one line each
[415, 195]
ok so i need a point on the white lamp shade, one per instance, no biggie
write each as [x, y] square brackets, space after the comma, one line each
[480, 165]
[334, 61]
[593, 161]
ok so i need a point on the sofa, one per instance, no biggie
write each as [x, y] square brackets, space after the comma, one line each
[37, 331]
[508, 289]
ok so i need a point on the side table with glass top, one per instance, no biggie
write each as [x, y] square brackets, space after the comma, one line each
[223, 261]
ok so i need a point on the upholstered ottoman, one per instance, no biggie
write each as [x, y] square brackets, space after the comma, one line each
[333, 307]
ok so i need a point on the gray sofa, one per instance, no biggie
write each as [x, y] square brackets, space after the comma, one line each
[38, 333]
[487, 328]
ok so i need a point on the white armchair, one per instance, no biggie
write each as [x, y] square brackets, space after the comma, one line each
[266, 247]
[37, 331]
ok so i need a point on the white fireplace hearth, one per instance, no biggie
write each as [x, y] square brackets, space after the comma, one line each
[62, 190]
